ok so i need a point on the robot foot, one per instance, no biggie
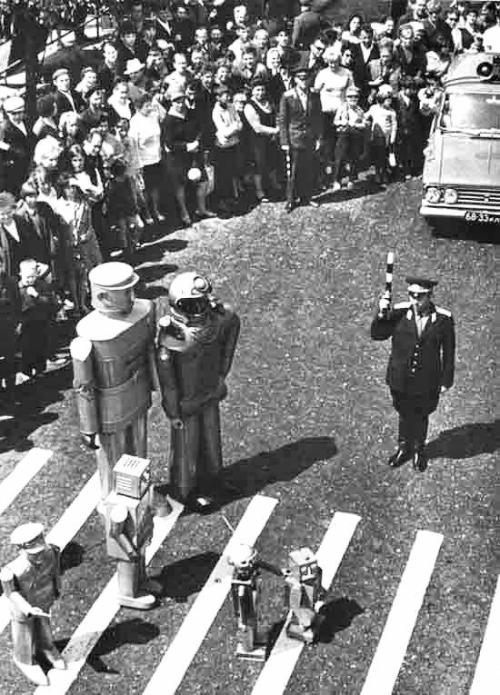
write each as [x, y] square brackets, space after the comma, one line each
[306, 635]
[142, 603]
[33, 672]
[258, 653]
[53, 656]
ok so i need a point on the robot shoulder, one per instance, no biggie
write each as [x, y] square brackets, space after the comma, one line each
[443, 312]
[6, 575]
[171, 334]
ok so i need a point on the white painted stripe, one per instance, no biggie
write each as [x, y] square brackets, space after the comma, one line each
[187, 641]
[487, 676]
[279, 667]
[65, 529]
[398, 629]
[100, 615]
[25, 470]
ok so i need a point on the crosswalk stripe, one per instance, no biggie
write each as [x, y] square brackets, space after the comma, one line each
[398, 629]
[25, 470]
[279, 667]
[65, 529]
[187, 641]
[100, 616]
[487, 676]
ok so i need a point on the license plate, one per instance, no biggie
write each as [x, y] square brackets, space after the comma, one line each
[481, 217]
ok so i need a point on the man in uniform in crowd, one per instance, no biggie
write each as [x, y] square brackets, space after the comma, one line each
[421, 364]
[300, 123]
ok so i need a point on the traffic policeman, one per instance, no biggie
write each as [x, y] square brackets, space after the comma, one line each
[421, 363]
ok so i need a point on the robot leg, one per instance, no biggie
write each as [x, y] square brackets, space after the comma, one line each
[112, 446]
[211, 447]
[129, 594]
[23, 639]
[45, 643]
[139, 436]
[184, 454]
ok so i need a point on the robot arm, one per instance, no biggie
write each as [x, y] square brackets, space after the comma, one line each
[19, 604]
[166, 373]
[153, 372]
[118, 518]
[81, 355]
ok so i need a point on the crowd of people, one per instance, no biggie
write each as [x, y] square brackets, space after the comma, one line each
[194, 106]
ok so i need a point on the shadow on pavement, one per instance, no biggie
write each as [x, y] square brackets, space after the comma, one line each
[134, 631]
[337, 615]
[249, 476]
[466, 441]
[186, 577]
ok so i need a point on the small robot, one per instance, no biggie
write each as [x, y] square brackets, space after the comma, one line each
[129, 529]
[304, 595]
[31, 583]
[245, 589]
[114, 368]
[195, 346]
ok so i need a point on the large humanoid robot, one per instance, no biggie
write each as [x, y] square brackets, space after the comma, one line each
[114, 368]
[129, 529]
[305, 595]
[246, 585]
[31, 583]
[195, 348]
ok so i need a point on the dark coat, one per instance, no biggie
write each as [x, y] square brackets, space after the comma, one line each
[299, 128]
[18, 158]
[306, 27]
[418, 365]
[64, 104]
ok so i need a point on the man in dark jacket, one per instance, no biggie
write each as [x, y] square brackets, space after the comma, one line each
[300, 122]
[306, 26]
[17, 145]
[421, 364]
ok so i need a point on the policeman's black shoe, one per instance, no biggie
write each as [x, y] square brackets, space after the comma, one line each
[420, 460]
[402, 455]
[289, 206]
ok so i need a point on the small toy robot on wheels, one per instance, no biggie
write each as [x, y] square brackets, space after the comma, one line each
[304, 595]
[31, 583]
[129, 529]
[245, 589]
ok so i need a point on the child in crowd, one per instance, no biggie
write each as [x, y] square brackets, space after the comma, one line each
[383, 127]
[351, 124]
[121, 210]
[38, 309]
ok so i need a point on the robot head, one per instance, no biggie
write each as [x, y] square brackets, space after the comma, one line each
[243, 557]
[189, 296]
[112, 286]
[303, 565]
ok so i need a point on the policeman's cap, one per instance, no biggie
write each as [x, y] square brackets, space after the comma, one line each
[420, 284]
[113, 276]
[29, 537]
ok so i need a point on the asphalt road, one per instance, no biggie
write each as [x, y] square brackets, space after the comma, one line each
[307, 420]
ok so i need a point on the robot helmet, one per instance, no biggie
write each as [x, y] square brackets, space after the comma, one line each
[188, 294]
[242, 556]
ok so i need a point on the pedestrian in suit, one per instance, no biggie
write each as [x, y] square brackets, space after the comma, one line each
[421, 363]
[299, 123]
[306, 26]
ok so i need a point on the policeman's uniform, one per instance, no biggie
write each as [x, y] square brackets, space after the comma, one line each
[32, 584]
[422, 360]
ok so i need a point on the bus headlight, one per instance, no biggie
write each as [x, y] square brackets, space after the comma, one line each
[450, 196]
[433, 195]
